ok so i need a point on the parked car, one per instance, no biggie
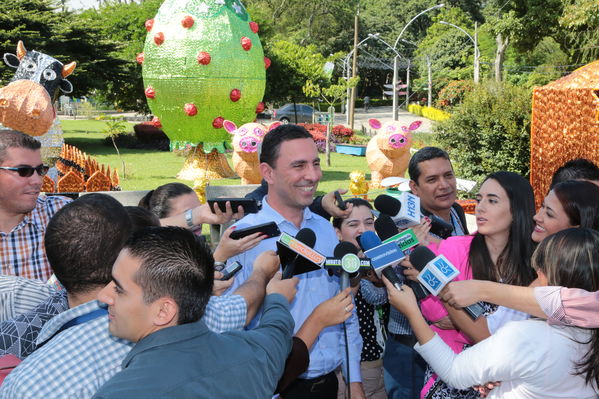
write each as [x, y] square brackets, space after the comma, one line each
[287, 113]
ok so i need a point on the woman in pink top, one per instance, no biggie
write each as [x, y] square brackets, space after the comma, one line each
[499, 251]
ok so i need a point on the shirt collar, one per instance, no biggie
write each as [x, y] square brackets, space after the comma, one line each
[56, 323]
[34, 217]
[167, 336]
[271, 214]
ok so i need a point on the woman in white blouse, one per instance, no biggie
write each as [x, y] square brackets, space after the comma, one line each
[530, 358]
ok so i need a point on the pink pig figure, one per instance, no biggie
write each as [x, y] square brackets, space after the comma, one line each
[388, 152]
[246, 145]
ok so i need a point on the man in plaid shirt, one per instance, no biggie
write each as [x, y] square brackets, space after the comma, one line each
[23, 213]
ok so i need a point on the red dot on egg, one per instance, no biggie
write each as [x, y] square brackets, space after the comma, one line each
[203, 58]
[187, 21]
[259, 107]
[266, 62]
[190, 109]
[217, 123]
[150, 92]
[254, 27]
[140, 58]
[235, 95]
[246, 43]
[159, 38]
[149, 24]
[156, 122]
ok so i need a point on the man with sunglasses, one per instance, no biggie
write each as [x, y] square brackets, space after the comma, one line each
[24, 214]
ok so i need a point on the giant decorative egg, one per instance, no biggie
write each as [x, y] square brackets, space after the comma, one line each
[203, 63]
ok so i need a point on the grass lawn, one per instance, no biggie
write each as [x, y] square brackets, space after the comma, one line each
[148, 169]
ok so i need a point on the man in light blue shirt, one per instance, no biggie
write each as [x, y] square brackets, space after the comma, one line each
[291, 167]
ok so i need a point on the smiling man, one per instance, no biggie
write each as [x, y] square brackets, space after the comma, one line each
[290, 165]
[432, 179]
[23, 213]
[161, 284]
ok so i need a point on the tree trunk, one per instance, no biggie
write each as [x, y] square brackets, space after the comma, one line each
[502, 44]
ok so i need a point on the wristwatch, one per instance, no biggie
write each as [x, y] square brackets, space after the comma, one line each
[189, 218]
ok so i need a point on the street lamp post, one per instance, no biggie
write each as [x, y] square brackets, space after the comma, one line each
[474, 41]
[395, 69]
[348, 75]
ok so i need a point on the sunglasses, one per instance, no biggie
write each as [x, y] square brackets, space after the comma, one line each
[27, 171]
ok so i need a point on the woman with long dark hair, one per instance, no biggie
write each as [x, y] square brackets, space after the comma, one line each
[573, 203]
[531, 358]
[499, 251]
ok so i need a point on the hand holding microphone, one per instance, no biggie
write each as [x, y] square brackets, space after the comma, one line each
[436, 272]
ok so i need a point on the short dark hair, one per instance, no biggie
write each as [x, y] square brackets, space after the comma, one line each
[158, 201]
[141, 218]
[175, 263]
[272, 141]
[356, 202]
[576, 169]
[580, 200]
[13, 139]
[424, 154]
[84, 238]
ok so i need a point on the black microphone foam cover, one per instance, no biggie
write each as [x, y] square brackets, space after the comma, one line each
[344, 248]
[385, 227]
[307, 236]
[386, 204]
[420, 256]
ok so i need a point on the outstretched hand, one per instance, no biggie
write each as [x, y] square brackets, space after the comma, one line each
[203, 214]
[329, 204]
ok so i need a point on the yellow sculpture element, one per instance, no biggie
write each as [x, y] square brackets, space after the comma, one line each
[211, 166]
[388, 152]
[199, 186]
[358, 185]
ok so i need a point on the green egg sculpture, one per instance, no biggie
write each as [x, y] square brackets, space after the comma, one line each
[203, 63]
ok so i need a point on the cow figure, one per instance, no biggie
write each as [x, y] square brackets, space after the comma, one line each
[26, 102]
[247, 141]
[388, 152]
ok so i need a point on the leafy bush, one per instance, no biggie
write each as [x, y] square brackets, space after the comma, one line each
[489, 131]
[428, 112]
[453, 93]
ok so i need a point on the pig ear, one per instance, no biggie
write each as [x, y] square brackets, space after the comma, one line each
[230, 126]
[11, 60]
[415, 125]
[374, 123]
[274, 125]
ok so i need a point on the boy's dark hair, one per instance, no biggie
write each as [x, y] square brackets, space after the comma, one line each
[424, 154]
[176, 264]
[576, 169]
[158, 201]
[272, 141]
[84, 238]
[141, 218]
[13, 139]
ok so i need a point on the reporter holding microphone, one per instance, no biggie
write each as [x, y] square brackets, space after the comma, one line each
[531, 358]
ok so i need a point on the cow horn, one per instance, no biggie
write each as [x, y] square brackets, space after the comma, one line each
[68, 69]
[21, 50]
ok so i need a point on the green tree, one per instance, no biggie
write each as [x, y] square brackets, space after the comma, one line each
[580, 24]
[124, 24]
[330, 95]
[291, 66]
[523, 23]
[63, 35]
[489, 131]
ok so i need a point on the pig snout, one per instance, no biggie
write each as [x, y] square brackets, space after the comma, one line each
[397, 140]
[249, 144]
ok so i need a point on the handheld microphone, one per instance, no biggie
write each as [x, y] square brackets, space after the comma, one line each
[436, 272]
[403, 217]
[380, 254]
[290, 257]
[350, 263]
[404, 211]
[388, 232]
[392, 277]
[439, 227]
